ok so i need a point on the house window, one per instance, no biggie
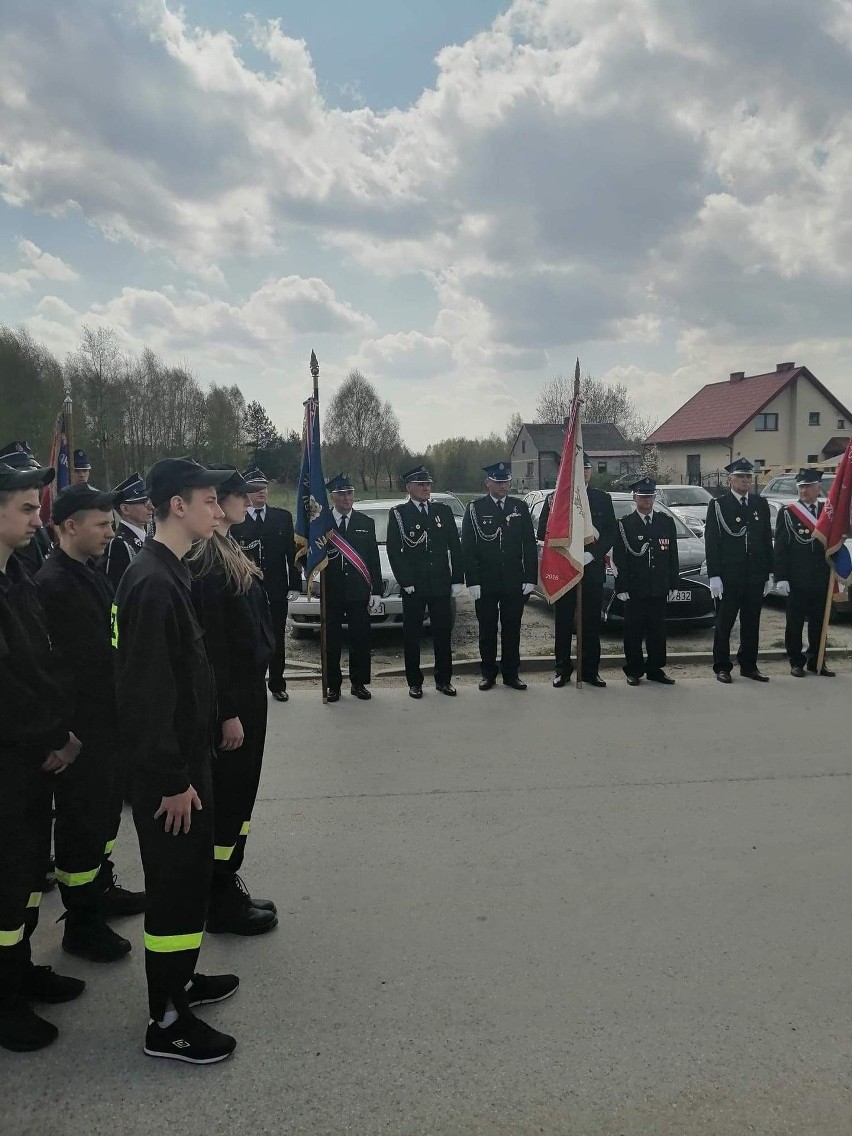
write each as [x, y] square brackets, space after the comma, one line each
[523, 447]
[813, 418]
[766, 422]
[530, 468]
[812, 458]
[841, 423]
[601, 467]
[759, 463]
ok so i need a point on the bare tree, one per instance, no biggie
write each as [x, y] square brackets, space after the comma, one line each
[354, 423]
[602, 402]
[513, 428]
[96, 369]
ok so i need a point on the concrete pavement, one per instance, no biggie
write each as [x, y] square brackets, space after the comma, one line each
[592, 913]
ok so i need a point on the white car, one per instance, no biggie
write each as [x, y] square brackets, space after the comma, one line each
[304, 613]
[689, 502]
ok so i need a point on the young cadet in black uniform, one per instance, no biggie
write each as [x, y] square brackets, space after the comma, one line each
[33, 554]
[266, 536]
[594, 576]
[501, 570]
[424, 550]
[646, 559]
[738, 544]
[35, 746]
[349, 597]
[134, 512]
[166, 699]
[801, 573]
[77, 602]
[232, 608]
[81, 468]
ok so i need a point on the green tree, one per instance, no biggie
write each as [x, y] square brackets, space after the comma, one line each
[31, 391]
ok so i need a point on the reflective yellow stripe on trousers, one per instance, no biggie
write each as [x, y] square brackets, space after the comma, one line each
[108, 847]
[246, 829]
[35, 899]
[76, 879]
[11, 938]
[168, 944]
[223, 851]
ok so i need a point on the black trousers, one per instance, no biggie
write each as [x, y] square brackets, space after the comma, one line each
[236, 779]
[743, 598]
[804, 605]
[278, 611]
[644, 624]
[564, 611]
[178, 870]
[508, 609]
[87, 801]
[354, 613]
[26, 796]
[441, 619]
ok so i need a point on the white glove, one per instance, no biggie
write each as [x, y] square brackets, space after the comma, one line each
[374, 602]
[528, 589]
[769, 585]
[409, 591]
[293, 595]
[783, 588]
[474, 591]
[613, 571]
[457, 590]
[716, 588]
[587, 558]
[623, 596]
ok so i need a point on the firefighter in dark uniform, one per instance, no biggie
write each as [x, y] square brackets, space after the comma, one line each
[425, 555]
[81, 468]
[134, 512]
[802, 573]
[501, 570]
[266, 536]
[646, 560]
[232, 607]
[738, 546]
[349, 596]
[36, 746]
[33, 554]
[77, 602]
[166, 701]
[594, 576]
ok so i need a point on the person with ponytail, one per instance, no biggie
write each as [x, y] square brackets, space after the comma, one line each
[232, 608]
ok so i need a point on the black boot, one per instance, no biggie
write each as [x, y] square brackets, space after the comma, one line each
[22, 1030]
[89, 936]
[116, 902]
[233, 913]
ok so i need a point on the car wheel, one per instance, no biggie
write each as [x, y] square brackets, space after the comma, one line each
[297, 631]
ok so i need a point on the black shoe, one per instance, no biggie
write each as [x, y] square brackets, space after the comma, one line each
[49, 878]
[560, 680]
[332, 695]
[486, 683]
[756, 675]
[117, 902]
[515, 683]
[660, 677]
[595, 680]
[22, 1030]
[415, 691]
[248, 899]
[88, 936]
[189, 1039]
[446, 688]
[633, 681]
[279, 696]
[724, 676]
[231, 911]
[798, 672]
[358, 690]
[825, 672]
[42, 984]
[207, 988]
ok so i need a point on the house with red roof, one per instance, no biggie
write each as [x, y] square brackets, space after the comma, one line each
[783, 419]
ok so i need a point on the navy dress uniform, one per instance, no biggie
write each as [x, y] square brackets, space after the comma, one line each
[18, 455]
[129, 538]
[425, 555]
[267, 537]
[349, 595]
[594, 577]
[501, 570]
[646, 559]
[802, 575]
[738, 546]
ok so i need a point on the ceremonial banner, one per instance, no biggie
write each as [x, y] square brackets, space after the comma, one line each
[314, 523]
[60, 455]
[833, 525]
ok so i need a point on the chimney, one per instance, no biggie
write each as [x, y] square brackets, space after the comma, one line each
[737, 376]
[785, 366]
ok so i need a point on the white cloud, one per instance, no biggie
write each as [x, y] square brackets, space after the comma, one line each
[43, 266]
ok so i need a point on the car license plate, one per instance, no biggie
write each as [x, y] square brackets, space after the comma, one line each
[679, 597]
[379, 609]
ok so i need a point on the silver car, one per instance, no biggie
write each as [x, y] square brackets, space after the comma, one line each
[689, 502]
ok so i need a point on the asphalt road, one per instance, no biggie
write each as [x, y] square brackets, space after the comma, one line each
[601, 913]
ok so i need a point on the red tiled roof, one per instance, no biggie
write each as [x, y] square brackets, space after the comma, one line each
[720, 410]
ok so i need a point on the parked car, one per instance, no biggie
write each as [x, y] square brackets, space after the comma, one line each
[304, 613]
[784, 487]
[689, 502]
[690, 602]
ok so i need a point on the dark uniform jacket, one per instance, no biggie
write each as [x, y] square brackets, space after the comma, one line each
[425, 553]
[603, 518]
[798, 558]
[165, 690]
[343, 581]
[119, 552]
[77, 602]
[271, 544]
[499, 546]
[36, 552]
[740, 546]
[645, 556]
[31, 704]
[238, 636]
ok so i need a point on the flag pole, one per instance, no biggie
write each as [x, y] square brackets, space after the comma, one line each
[578, 610]
[826, 618]
[323, 637]
[68, 411]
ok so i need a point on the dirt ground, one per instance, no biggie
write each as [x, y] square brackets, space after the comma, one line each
[537, 636]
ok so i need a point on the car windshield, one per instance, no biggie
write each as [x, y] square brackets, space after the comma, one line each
[827, 483]
[453, 502]
[624, 506]
[687, 495]
[380, 516]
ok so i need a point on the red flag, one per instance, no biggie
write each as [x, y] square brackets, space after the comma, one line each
[834, 521]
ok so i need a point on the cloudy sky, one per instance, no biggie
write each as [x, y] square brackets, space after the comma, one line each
[456, 196]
